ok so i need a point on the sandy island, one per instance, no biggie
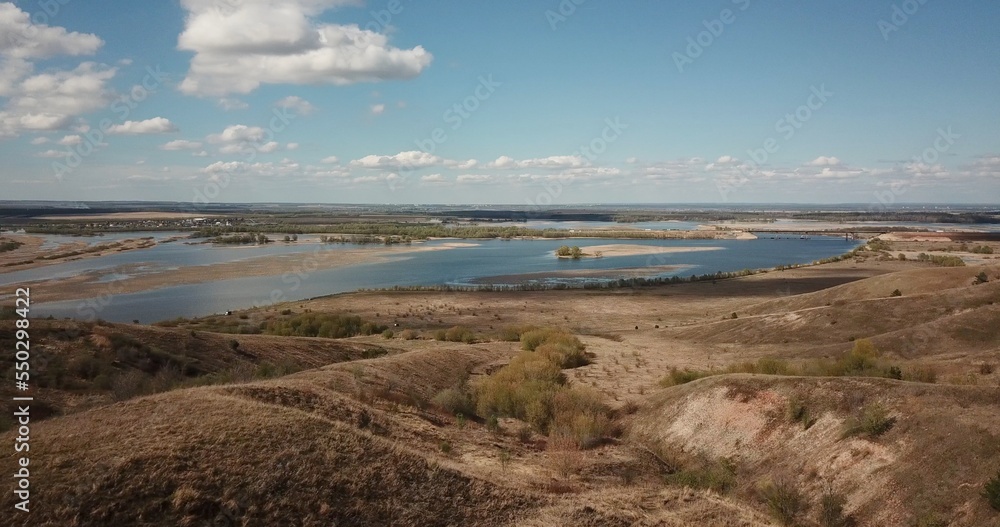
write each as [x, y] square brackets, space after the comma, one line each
[624, 249]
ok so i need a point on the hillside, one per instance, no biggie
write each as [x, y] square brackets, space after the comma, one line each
[292, 430]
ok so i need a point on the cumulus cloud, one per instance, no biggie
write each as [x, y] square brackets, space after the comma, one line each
[411, 159]
[292, 146]
[551, 162]
[156, 125]
[432, 178]
[181, 144]
[71, 140]
[332, 160]
[824, 161]
[268, 42]
[296, 104]
[230, 104]
[39, 141]
[378, 109]
[238, 133]
[52, 100]
[26, 40]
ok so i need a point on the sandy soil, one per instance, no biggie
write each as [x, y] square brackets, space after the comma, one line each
[638, 250]
[31, 254]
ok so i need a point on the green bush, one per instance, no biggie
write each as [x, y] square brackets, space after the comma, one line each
[388, 334]
[321, 325]
[991, 491]
[441, 335]
[454, 401]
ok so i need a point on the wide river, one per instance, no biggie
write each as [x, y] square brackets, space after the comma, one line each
[484, 262]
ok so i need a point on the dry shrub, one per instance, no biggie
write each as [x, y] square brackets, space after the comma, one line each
[532, 388]
[460, 334]
[454, 401]
[408, 334]
[784, 500]
[565, 456]
[579, 414]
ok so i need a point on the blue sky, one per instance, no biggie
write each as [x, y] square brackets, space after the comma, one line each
[522, 102]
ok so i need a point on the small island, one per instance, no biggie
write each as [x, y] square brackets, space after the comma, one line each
[574, 252]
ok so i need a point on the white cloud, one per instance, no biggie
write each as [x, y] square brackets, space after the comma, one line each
[292, 146]
[230, 104]
[70, 140]
[53, 154]
[824, 161]
[411, 159]
[200, 153]
[51, 101]
[39, 141]
[378, 109]
[181, 144]
[297, 105]
[259, 42]
[156, 125]
[551, 162]
[267, 148]
[433, 178]
[474, 178]
[332, 160]
[238, 133]
[26, 40]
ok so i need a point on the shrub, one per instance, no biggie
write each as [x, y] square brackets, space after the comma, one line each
[784, 500]
[321, 325]
[454, 401]
[991, 491]
[981, 278]
[408, 334]
[986, 368]
[128, 384]
[897, 292]
[718, 475]
[460, 334]
[676, 377]
[831, 512]
[799, 412]
[579, 414]
[921, 374]
[388, 334]
[873, 421]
